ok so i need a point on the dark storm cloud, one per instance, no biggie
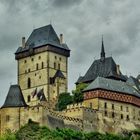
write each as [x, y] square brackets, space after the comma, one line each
[82, 22]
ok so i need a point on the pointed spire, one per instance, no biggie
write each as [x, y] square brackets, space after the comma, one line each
[102, 50]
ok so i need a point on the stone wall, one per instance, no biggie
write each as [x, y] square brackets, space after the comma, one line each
[40, 75]
[10, 119]
[120, 116]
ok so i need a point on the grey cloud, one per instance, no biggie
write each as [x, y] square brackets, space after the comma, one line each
[65, 3]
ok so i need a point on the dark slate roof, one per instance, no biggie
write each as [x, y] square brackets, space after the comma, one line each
[112, 85]
[14, 97]
[42, 36]
[133, 82]
[59, 74]
[106, 68]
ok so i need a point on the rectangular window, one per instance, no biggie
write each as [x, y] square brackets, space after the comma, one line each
[127, 117]
[121, 116]
[113, 114]
[39, 57]
[52, 80]
[36, 66]
[42, 65]
[90, 105]
[7, 118]
[28, 98]
[59, 66]
[105, 105]
[121, 108]
[113, 106]
[127, 109]
[105, 113]
[54, 65]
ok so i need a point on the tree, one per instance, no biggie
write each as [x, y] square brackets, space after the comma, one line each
[63, 100]
[77, 94]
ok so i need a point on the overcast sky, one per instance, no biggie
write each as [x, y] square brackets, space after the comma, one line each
[82, 22]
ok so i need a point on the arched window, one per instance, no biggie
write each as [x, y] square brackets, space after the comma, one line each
[42, 65]
[29, 83]
[28, 98]
[37, 66]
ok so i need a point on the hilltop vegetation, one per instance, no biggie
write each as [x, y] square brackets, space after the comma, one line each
[76, 96]
[33, 131]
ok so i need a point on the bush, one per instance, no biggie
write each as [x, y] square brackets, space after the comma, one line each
[8, 136]
[32, 131]
[63, 100]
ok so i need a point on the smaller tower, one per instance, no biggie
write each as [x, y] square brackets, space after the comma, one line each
[102, 51]
[10, 113]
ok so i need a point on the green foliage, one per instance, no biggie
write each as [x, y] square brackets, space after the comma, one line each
[63, 100]
[77, 94]
[8, 136]
[32, 131]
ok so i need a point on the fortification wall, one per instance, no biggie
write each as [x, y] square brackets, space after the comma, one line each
[34, 113]
[68, 121]
[87, 115]
[74, 110]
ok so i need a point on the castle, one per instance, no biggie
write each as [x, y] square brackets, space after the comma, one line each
[111, 100]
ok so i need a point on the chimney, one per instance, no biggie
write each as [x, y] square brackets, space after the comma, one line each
[23, 42]
[118, 69]
[61, 38]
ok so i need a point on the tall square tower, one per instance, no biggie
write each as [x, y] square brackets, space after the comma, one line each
[42, 63]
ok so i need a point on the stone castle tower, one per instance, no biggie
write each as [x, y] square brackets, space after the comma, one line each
[42, 63]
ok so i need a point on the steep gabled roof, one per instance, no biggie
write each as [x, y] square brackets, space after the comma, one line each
[112, 85]
[14, 97]
[42, 36]
[59, 74]
[106, 68]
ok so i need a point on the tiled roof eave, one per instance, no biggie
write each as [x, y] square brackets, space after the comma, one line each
[84, 91]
